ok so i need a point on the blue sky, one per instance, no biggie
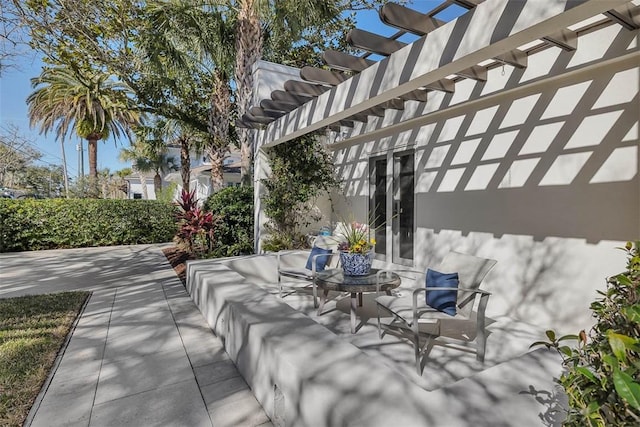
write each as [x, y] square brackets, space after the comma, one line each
[15, 86]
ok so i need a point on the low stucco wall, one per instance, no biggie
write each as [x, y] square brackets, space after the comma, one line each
[304, 375]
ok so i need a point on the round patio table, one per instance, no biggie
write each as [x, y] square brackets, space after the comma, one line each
[334, 279]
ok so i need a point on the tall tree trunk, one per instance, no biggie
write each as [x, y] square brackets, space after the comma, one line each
[219, 129]
[93, 155]
[216, 157]
[185, 163]
[92, 148]
[157, 183]
[248, 51]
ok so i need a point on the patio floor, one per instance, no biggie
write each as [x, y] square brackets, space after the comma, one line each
[445, 365]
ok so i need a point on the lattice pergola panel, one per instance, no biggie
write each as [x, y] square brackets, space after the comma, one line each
[340, 66]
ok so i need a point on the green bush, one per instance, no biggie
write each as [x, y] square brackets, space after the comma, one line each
[301, 171]
[602, 371]
[233, 234]
[32, 224]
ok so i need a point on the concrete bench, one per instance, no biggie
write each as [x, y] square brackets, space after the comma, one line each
[305, 375]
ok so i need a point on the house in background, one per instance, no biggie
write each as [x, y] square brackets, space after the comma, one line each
[509, 133]
[201, 173]
[135, 184]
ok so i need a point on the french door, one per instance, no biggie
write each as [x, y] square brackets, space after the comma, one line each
[391, 206]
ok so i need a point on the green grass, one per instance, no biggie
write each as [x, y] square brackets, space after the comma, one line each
[32, 330]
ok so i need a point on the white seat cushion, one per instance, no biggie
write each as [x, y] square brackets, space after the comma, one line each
[301, 273]
[402, 306]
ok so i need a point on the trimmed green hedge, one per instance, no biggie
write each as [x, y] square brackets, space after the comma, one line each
[33, 224]
[233, 234]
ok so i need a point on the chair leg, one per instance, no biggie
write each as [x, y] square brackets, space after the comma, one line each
[481, 333]
[416, 345]
[379, 325]
[315, 293]
[279, 286]
[481, 338]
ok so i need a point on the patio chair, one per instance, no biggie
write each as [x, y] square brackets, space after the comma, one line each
[322, 255]
[459, 312]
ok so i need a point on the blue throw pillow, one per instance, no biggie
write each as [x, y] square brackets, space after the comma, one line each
[444, 301]
[321, 261]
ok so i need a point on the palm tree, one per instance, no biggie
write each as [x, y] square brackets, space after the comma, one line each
[95, 106]
[253, 16]
[186, 138]
[149, 154]
[200, 39]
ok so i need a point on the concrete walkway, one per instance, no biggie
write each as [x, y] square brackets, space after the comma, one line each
[141, 353]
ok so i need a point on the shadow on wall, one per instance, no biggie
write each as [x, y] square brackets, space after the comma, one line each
[529, 177]
[551, 163]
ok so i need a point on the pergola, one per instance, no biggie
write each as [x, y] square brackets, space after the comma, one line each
[354, 90]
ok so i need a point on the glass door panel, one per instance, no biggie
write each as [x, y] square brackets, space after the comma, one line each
[403, 207]
[378, 203]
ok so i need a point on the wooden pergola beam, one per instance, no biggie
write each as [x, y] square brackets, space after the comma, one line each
[626, 15]
[372, 42]
[359, 117]
[415, 95]
[260, 112]
[374, 111]
[442, 85]
[345, 62]
[565, 39]
[467, 4]
[299, 88]
[248, 117]
[289, 98]
[515, 58]
[393, 104]
[318, 75]
[476, 72]
[408, 19]
[285, 107]
[342, 123]
[413, 68]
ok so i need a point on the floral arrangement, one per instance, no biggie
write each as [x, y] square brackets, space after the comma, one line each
[355, 238]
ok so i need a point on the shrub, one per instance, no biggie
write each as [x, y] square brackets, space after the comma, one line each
[195, 225]
[32, 224]
[301, 171]
[234, 232]
[166, 194]
[279, 241]
[601, 377]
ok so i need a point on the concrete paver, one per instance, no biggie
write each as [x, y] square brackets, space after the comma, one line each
[137, 374]
[178, 404]
[141, 353]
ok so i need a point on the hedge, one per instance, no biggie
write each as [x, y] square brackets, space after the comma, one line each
[33, 224]
[233, 234]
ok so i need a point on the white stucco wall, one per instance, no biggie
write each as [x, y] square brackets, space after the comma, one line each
[267, 77]
[537, 168]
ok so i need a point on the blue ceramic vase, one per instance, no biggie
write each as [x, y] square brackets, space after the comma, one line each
[356, 264]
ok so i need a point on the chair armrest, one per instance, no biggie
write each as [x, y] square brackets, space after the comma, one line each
[284, 254]
[385, 272]
[397, 271]
[484, 296]
[400, 270]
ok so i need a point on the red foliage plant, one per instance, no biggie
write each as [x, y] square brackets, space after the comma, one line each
[195, 226]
